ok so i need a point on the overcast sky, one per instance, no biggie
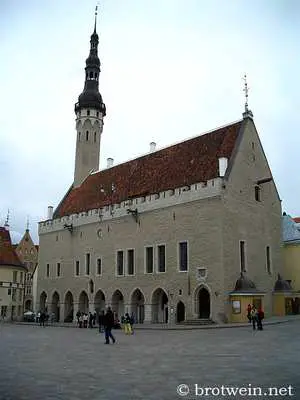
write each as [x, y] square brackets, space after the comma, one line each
[170, 70]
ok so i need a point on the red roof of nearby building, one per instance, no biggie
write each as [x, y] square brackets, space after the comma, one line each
[194, 160]
[8, 256]
[297, 219]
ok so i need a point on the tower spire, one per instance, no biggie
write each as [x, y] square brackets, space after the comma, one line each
[96, 12]
[247, 113]
[27, 223]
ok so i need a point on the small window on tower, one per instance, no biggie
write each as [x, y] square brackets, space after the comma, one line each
[97, 113]
[96, 75]
[88, 112]
[79, 136]
[87, 135]
[95, 137]
[91, 75]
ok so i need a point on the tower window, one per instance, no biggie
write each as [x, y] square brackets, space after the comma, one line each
[91, 75]
[79, 136]
[95, 137]
[88, 112]
[257, 193]
[242, 256]
[97, 113]
[96, 75]
[87, 135]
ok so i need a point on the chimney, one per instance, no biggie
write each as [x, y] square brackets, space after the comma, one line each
[110, 162]
[223, 162]
[50, 212]
[152, 147]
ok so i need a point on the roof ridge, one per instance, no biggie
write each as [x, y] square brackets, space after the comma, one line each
[170, 145]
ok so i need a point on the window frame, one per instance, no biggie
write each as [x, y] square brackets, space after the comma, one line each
[97, 265]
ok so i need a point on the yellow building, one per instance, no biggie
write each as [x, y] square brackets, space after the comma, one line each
[12, 274]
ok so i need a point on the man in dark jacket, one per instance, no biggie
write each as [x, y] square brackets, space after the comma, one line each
[108, 324]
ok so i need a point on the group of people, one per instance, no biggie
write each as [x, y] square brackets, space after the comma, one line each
[255, 316]
[85, 320]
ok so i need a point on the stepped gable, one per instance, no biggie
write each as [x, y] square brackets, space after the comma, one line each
[194, 160]
[8, 255]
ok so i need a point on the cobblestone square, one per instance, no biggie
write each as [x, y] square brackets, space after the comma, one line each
[70, 364]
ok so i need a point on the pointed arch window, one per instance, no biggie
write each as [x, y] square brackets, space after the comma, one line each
[79, 136]
[87, 135]
[95, 137]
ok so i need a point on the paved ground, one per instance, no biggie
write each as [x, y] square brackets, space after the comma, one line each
[72, 364]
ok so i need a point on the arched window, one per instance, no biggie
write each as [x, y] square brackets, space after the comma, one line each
[87, 135]
[79, 136]
[88, 112]
[91, 74]
[96, 75]
[95, 137]
[97, 114]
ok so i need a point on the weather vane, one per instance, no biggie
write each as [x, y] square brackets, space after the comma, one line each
[246, 90]
[7, 219]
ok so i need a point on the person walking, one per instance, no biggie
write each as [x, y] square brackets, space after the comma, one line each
[108, 325]
[260, 317]
[254, 317]
[42, 318]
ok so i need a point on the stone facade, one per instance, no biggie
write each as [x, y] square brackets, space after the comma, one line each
[212, 217]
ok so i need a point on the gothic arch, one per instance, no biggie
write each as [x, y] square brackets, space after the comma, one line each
[159, 304]
[202, 301]
[83, 303]
[69, 307]
[137, 300]
[117, 302]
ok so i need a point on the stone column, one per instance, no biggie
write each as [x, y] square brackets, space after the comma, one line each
[148, 314]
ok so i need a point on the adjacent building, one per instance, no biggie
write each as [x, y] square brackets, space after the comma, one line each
[27, 252]
[12, 275]
[188, 232]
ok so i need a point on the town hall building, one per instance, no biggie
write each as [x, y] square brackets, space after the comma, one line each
[188, 232]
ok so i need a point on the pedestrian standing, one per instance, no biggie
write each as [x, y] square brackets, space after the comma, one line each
[91, 320]
[108, 325]
[249, 308]
[260, 317]
[127, 324]
[254, 317]
[85, 320]
[80, 320]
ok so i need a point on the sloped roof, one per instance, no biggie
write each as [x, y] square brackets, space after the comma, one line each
[290, 230]
[194, 160]
[297, 220]
[8, 256]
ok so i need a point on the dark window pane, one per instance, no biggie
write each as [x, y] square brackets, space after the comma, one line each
[149, 260]
[120, 261]
[183, 256]
[161, 258]
[130, 262]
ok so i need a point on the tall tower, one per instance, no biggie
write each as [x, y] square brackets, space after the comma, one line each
[90, 111]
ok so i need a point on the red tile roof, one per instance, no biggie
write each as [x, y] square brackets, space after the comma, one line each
[194, 160]
[297, 219]
[8, 256]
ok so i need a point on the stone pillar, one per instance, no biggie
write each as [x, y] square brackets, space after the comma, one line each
[148, 314]
[171, 314]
